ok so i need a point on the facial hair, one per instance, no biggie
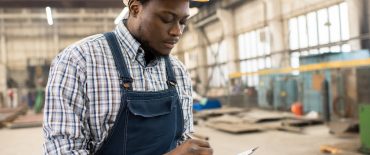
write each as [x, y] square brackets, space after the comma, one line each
[149, 52]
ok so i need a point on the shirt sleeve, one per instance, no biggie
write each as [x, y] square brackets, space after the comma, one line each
[184, 85]
[65, 111]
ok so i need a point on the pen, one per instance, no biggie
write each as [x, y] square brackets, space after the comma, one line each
[197, 136]
[249, 152]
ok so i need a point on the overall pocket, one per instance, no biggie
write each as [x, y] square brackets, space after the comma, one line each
[151, 124]
[151, 108]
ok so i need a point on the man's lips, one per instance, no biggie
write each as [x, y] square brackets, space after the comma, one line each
[170, 44]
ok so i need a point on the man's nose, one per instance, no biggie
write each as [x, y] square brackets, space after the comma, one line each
[176, 30]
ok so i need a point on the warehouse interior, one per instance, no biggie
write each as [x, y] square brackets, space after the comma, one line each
[282, 76]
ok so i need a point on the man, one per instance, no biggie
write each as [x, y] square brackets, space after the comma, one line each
[121, 92]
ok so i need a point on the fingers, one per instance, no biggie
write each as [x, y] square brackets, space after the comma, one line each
[199, 147]
[206, 151]
[192, 147]
[197, 150]
[200, 143]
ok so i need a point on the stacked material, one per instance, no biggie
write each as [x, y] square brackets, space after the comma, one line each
[343, 148]
[27, 121]
[253, 120]
[9, 114]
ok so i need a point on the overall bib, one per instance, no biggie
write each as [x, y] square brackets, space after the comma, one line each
[148, 123]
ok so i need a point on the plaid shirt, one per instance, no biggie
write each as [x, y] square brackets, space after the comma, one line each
[83, 93]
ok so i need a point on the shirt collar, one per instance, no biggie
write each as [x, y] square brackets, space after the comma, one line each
[134, 51]
[131, 45]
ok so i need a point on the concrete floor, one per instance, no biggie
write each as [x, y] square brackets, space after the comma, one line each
[21, 141]
[29, 141]
[274, 142]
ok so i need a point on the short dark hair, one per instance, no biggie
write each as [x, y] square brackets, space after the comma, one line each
[143, 2]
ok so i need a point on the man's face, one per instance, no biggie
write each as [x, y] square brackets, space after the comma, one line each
[161, 24]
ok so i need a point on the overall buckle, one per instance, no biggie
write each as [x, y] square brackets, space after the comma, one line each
[171, 83]
[126, 85]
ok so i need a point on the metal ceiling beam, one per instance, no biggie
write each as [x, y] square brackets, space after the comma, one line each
[61, 3]
[58, 16]
[210, 9]
[63, 24]
[72, 3]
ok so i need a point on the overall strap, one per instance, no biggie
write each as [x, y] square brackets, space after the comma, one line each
[171, 80]
[119, 60]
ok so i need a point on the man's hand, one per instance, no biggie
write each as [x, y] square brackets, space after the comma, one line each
[192, 147]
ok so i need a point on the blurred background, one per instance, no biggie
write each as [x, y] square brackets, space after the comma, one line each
[286, 76]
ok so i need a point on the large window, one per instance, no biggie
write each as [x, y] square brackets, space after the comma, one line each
[217, 57]
[191, 60]
[254, 53]
[322, 31]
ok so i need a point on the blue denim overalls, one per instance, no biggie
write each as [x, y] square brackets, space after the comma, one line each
[148, 123]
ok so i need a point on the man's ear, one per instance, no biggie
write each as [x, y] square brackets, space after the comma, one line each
[135, 8]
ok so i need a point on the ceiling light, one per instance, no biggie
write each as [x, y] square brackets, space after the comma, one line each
[193, 11]
[49, 15]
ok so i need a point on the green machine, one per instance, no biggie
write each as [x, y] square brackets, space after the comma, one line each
[364, 112]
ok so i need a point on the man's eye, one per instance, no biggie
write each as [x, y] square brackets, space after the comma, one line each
[183, 22]
[167, 19]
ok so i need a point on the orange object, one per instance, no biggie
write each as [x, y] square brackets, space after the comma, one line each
[330, 149]
[297, 108]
